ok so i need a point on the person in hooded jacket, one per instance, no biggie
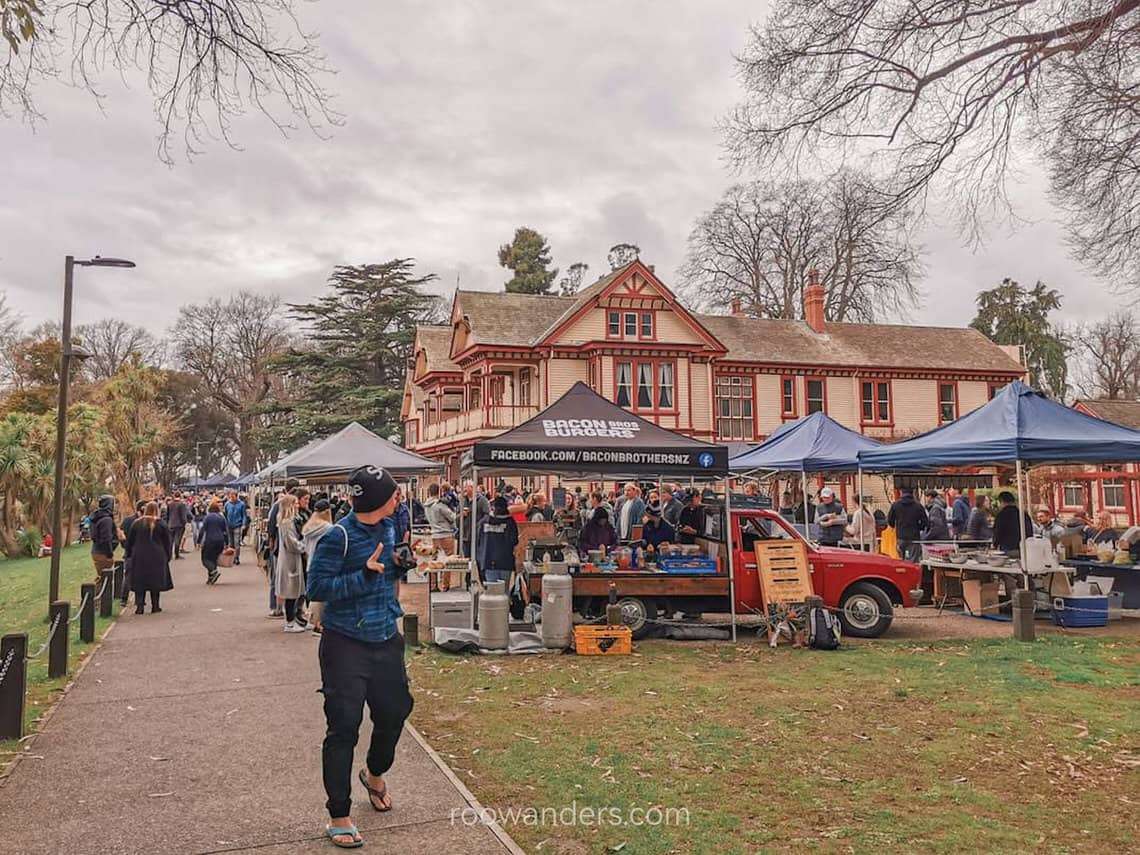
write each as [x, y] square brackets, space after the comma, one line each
[497, 542]
[314, 529]
[909, 520]
[104, 535]
[213, 538]
[938, 528]
[959, 514]
[125, 534]
[598, 532]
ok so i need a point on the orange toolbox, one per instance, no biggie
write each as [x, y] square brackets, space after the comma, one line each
[602, 640]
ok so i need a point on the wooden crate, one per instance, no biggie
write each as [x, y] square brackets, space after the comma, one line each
[601, 640]
[785, 575]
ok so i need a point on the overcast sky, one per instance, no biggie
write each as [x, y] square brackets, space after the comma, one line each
[592, 122]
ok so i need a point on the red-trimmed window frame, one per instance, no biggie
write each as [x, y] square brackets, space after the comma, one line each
[754, 419]
[1063, 505]
[638, 333]
[953, 384]
[793, 413]
[634, 362]
[875, 421]
[808, 380]
[992, 388]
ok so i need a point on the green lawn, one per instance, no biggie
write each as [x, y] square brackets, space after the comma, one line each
[988, 746]
[23, 608]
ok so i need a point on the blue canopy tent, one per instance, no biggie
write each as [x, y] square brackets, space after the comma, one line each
[815, 443]
[1019, 426]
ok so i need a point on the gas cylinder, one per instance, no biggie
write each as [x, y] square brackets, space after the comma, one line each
[557, 614]
[495, 617]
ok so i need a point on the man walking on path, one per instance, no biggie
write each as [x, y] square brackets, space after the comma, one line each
[237, 516]
[354, 573]
[178, 517]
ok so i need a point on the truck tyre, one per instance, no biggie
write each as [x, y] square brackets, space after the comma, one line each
[636, 613]
[865, 611]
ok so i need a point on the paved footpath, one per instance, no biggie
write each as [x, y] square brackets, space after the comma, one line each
[198, 730]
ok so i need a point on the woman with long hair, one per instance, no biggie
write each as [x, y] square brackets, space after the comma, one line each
[289, 581]
[212, 535]
[312, 531]
[149, 543]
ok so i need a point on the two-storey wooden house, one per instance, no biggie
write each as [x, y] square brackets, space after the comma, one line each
[730, 378]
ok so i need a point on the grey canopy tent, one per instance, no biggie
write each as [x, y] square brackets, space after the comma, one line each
[354, 445]
[583, 434]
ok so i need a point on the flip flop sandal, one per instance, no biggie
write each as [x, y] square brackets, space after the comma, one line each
[375, 794]
[335, 831]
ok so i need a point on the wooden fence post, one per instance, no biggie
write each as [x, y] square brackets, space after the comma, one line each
[87, 612]
[13, 684]
[57, 644]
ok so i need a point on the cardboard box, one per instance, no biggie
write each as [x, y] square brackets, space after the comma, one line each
[980, 597]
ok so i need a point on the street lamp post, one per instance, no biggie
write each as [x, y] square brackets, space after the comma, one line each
[67, 352]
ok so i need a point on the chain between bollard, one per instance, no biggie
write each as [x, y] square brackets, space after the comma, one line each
[51, 635]
[7, 664]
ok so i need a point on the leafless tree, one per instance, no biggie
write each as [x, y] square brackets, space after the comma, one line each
[206, 62]
[112, 342]
[759, 242]
[621, 254]
[948, 89]
[228, 345]
[1108, 358]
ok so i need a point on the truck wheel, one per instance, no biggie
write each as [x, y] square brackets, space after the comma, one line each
[865, 611]
[636, 614]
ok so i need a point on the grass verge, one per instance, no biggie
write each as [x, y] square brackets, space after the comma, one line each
[24, 586]
[986, 745]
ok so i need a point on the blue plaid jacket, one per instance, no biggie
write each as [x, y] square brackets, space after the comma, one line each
[357, 602]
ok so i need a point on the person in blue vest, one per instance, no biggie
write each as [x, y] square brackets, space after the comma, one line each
[353, 573]
[237, 518]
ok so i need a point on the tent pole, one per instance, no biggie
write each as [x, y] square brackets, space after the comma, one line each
[803, 487]
[474, 516]
[859, 511]
[1021, 499]
[731, 563]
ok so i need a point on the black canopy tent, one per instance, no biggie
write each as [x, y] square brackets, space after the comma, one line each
[583, 435]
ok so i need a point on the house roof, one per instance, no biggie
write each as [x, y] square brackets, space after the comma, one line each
[510, 319]
[1125, 413]
[889, 345]
[435, 341]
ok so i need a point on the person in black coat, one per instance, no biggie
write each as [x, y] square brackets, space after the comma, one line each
[213, 538]
[1007, 529]
[125, 529]
[497, 542]
[909, 520]
[104, 537]
[149, 544]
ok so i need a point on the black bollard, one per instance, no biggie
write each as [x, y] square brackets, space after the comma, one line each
[87, 612]
[120, 577]
[105, 582]
[13, 684]
[412, 630]
[57, 647]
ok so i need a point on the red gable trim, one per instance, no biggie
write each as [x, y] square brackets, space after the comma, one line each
[638, 267]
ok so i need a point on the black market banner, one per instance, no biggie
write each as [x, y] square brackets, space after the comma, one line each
[583, 432]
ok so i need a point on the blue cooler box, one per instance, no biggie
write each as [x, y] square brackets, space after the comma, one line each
[691, 564]
[1076, 612]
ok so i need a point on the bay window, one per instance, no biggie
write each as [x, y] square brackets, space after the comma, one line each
[645, 385]
[734, 408]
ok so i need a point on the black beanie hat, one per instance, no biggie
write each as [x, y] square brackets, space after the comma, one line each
[500, 506]
[370, 488]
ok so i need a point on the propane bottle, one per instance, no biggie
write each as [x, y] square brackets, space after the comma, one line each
[495, 617]
[557, 614]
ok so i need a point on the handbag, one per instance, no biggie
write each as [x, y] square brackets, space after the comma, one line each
[226, 559]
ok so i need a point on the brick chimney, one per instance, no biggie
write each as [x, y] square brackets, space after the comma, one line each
[737, 307]
[813, 302]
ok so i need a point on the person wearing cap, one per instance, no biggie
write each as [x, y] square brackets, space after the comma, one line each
[654, 530]
[831, 517]
[497, 541]
[354, 573]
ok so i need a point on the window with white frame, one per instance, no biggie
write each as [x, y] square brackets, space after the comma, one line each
[947, 402]
[614, 327]
[1113, 492]
[734, 408]
[624, 378]
[815, 392]
[1073, 494]
[876, 402]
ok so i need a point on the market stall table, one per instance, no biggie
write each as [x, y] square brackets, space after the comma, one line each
[944, 569]
[1126, 577]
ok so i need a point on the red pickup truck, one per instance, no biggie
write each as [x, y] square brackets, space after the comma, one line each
[863, 586]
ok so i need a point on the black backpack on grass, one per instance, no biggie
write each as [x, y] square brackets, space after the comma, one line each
[824, 630]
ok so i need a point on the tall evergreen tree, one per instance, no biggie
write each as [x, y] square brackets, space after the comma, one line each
[354, 353]
[1014, 314]
[528, 256]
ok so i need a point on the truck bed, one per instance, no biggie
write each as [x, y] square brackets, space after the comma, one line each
[644, 584]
